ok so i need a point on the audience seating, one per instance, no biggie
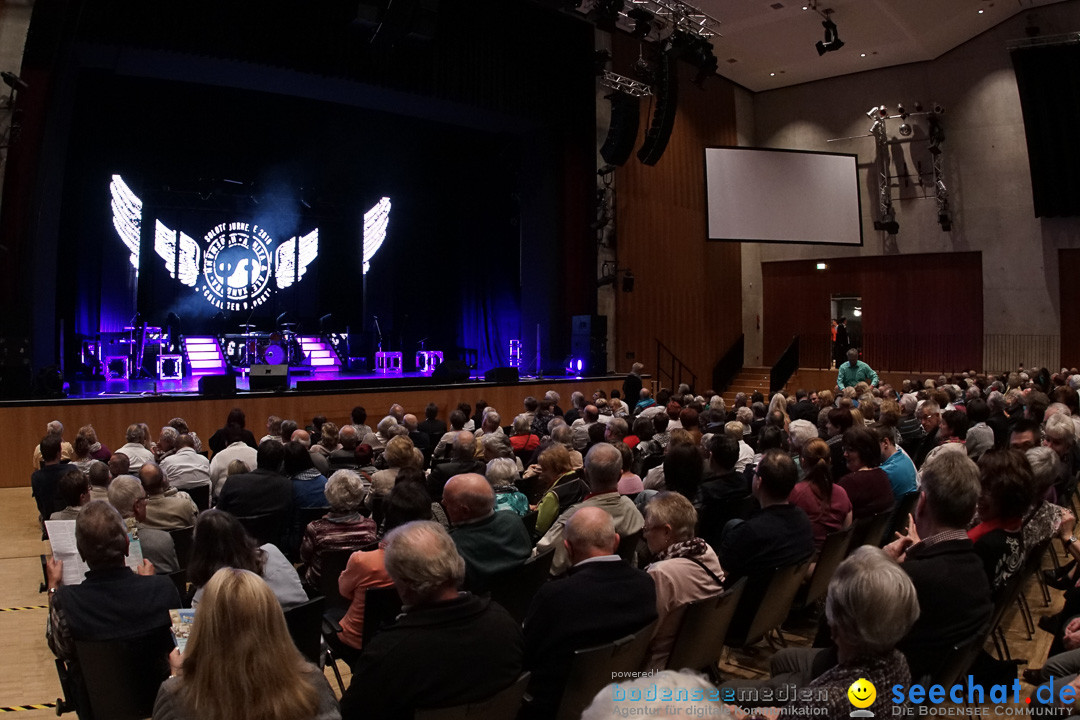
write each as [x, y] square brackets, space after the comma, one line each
[958, 661]
[700, 639]
[833, 552]
[306, 516]
[182, 538]
[264, 528]
[331, 565]
[905, 506]
[305, 623]
[179, 579]
[200, 495]
[119, 679]
[592, 669]
[870, 530]
[514, 589]
[628, 546]
[503, 705]
[771, 594]
[381, 608]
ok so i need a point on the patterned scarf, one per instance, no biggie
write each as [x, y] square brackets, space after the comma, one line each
[694, 547]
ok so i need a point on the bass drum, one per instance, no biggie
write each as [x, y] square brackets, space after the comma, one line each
[274, 355]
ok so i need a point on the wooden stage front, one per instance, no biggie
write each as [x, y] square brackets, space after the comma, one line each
[24, 421]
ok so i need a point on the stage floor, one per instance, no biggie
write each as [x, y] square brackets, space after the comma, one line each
[189, 386]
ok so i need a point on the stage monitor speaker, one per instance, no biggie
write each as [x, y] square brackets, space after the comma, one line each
[451, 371]
[504, 375]
[217, 385]
[269, 377]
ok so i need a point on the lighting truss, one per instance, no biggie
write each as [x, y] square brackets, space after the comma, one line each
[623, 84]
[677, 16]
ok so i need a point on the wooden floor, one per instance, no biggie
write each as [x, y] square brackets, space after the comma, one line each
[28, 674]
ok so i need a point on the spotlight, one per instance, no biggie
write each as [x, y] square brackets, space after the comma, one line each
[889, 225]
[945, 221]
[872, 112]
[13, 81]
[832, 40]
[883, 112]
[628, 282]
[903, 113]
[605, 170]
[643, 22]
[601, 58]
[905, 129]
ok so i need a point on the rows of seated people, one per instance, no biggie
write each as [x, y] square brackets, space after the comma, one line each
[639, 511]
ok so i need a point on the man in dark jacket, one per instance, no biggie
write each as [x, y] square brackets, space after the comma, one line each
[447, 648]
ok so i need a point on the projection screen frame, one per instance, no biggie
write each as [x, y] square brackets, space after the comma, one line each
[853, 157]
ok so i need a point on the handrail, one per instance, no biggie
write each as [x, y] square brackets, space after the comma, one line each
[785, 367]
[677, 366]
[728, 366]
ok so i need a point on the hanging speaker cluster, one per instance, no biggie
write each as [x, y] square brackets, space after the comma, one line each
[622, 129]
[666, 90]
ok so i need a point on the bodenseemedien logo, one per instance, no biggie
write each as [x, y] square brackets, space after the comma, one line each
[862, 694]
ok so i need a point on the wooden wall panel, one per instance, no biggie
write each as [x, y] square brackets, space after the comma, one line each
[1069, 296]
[24, 425]
[920, 312]
[688, 291]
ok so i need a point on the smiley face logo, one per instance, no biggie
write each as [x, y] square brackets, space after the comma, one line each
[862, 693]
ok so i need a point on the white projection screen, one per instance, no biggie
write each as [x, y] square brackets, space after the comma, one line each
[782, 196]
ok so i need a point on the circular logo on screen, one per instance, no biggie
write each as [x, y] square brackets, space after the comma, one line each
[236, 266]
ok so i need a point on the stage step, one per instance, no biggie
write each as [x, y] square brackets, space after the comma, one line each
[204, 356]
[320, 356]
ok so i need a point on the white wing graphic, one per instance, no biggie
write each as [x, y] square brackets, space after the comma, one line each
[375, 222]
[127, 217]
[290, 264]
[181, 256]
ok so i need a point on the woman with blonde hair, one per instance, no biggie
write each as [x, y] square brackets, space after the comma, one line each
[240, 662]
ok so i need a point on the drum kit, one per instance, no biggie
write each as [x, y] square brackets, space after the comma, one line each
[281, 347]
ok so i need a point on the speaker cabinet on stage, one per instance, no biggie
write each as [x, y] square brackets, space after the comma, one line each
[269, 377]
[451, 371]
[217, 385]
[588, 342]
[504, 375]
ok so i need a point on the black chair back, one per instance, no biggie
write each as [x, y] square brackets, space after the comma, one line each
[331, 565]
[182, 538]
[765, 604]
[514, 589]
[628, 546]
[870, 530]
[121, 677]
[180, 580]
[305, 627]
[833, 552]
[700, 638]
[958, 661]
[592, 669]
[381, 608]
[305, 516]
[503, 705]
[200, 495]
[905, 506]
[264, 528]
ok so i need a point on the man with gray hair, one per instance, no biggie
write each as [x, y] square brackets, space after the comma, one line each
[948, 575]
[67, 452]
[601, 600]
[490, 542]
[491, 425]
[405, 666]
[185, 468]
[603, 468]
[127, 495]
[166, 443]
[134, 448]
[112, 602]
[166, 508]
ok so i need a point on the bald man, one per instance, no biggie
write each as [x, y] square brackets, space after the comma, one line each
[602, 599]
[491, 542]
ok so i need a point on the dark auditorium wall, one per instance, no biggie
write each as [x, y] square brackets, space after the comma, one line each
[919, 313]
[687, 291]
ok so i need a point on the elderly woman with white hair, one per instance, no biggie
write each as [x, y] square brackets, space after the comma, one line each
[343, 528]
[502, 473]
[871, 604]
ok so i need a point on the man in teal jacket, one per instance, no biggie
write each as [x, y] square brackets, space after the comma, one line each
[855, 371]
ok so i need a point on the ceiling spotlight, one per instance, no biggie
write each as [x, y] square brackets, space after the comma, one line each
[905, 129]
[883, 112]
[900, 109]
[832, 38]
[643, 22]
[13, 81]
